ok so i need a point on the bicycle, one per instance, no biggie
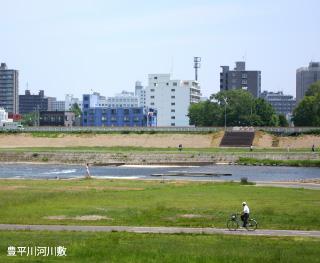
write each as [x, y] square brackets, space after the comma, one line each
[233, 223]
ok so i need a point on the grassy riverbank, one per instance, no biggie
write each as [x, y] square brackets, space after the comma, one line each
[154, 203]
[137, 247]
[250, 161]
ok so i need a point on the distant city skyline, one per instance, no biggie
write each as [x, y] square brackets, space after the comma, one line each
[73, 47]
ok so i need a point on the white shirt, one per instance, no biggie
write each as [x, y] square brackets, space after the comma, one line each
[246, 209]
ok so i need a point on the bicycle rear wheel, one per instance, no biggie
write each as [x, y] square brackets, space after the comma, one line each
[251, 225]
[232, 225]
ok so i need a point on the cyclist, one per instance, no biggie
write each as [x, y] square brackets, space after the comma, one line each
[245, 215]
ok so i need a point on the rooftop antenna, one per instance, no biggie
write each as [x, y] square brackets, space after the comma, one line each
[196, 65]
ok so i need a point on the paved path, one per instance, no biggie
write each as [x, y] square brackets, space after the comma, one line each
[257, 232]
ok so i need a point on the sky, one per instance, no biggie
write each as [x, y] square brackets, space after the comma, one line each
[75, 46]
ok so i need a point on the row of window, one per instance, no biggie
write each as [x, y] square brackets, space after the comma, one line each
[114, 111]
[172, 97]
[103, 118]
[172, 90]
[54, 119]
[172, 103]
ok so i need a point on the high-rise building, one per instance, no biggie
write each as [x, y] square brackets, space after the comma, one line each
[305, 77]
[9, 89]
[240, 78]
[282, 103]
[172, 98]
[140, 91]
[29, 103]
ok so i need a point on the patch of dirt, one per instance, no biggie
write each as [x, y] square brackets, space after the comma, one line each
[13, 187]
[84, 188]
[195, 216]
[85, 217]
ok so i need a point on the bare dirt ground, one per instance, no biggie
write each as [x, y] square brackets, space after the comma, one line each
[262, 140]
[109, 140]
[265, 140]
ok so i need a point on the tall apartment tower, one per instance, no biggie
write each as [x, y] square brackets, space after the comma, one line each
[240, 78]
[140, 91]
[305, 77]
[9, 89]
[172, 98]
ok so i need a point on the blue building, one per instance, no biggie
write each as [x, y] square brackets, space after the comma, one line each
[95, 116]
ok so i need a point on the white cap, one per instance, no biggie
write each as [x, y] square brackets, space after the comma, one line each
[244, 203]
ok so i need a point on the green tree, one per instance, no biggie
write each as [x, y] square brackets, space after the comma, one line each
[28, 119]
[274, 121]
[205, 113]
[238, 108]
[265, 110]
[314, 89]
[283, 120]
[307, 113]
[76, 109]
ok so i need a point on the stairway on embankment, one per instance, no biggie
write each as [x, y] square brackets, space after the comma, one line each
[237, 139]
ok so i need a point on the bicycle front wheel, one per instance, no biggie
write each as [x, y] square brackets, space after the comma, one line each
[251, 225]
[232, 225]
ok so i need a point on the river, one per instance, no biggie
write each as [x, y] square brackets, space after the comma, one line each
[253, 173]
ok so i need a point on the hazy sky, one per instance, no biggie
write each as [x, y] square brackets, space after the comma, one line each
[73, 46]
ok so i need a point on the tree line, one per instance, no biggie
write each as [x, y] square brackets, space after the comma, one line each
[235, 108]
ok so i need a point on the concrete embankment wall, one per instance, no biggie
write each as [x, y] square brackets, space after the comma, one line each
[79, 158]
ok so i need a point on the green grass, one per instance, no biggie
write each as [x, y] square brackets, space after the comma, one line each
[137, 247]
[156, 203]
[244, 160]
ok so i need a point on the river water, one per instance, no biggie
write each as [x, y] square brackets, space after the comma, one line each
[253, 173]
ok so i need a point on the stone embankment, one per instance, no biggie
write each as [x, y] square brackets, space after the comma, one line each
[80, 158]
[306, 180]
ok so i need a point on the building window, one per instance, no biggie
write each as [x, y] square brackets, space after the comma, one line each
[173, 104]
[52, 119]
[103, 111]
[173, 124]
[45, 119]
[173, 90]
[113, 111]
[152, 97]
[244, 75]
[86, 98]
[125, 118]
[91, 119]
[91, 111]
[126, 125]
[173, 110]
[126, 111]
[173, 97]
[152, 90]
[86, 106]
[103, 118]
[135, 118]
[155, 84]
[60, 119]
[167, 84]
[244, 81]
[152, 103]
[136, 111]
[173, 117]
[174, 84]
[113, 118]
[155, 77]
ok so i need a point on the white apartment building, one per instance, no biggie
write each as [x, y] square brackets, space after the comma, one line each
[123, 99]
[3, 116]
[172, 98]
[70, 100]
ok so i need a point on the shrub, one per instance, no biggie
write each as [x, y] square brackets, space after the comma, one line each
[35, 154]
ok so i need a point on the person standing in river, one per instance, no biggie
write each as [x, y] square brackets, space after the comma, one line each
[87, 171]
[312, 149]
